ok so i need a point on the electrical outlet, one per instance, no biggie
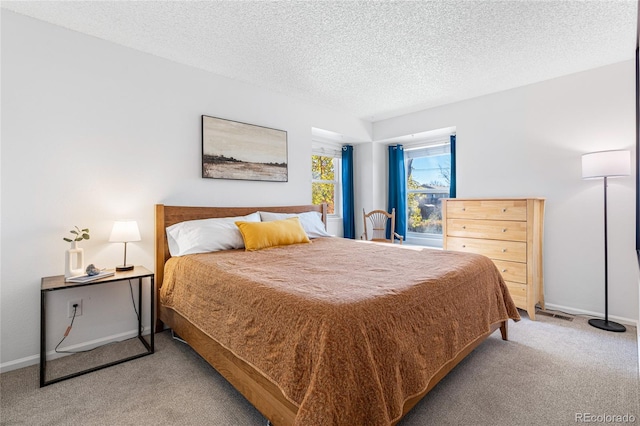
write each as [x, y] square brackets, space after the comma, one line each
[70, 304]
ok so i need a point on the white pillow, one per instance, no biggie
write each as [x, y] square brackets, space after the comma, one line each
[310, 221]
[206, 235]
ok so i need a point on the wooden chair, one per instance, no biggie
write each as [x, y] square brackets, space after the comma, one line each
[378, 220]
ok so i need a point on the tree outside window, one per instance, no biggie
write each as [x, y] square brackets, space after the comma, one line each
[428, 180]
[324, 186]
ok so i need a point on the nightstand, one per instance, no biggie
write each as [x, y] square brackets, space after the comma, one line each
[57, 283]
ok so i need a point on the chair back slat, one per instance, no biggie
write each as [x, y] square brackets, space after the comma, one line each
[378, 221]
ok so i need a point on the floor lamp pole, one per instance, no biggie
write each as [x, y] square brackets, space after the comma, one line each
[605, 324]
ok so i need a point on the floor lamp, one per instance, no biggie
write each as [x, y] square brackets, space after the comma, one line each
[606, 164]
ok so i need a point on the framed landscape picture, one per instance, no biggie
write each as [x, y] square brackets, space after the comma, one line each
[234, 150]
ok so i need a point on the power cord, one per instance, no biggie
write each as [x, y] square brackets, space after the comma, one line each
[133, 301]
[66, 333]
[75, 310]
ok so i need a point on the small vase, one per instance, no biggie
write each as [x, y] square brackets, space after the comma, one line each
[74, 261]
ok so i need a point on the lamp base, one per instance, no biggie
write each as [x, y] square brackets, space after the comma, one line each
[607, 325]
[124, 267]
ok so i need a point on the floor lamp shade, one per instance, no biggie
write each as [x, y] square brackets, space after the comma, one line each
[125, 232]
[606, 164]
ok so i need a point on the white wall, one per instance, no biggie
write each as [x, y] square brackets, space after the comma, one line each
[93, 132]
[370, 180]
[527, 142]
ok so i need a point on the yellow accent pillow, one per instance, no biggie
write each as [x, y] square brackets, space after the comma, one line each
[260, 235]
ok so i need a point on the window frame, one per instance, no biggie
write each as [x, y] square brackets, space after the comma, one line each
[330, 150]
[432, 144]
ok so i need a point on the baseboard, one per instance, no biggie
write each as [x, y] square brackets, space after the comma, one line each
[51, 355]
[574, 311]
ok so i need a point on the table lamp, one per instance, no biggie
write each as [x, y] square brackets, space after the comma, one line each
[124, 232]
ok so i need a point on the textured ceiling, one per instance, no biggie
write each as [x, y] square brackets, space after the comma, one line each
[374, 60]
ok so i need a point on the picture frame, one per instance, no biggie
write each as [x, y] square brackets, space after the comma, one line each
[240, 151]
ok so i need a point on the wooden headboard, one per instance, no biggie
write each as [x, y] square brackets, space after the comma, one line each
[170, 215]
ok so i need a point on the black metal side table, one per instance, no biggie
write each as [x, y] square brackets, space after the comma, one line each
[56, 283]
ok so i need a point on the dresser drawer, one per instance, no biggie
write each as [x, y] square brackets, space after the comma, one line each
[518, 293]
[487, 209]
[502, 250]
[508, 231]
[490, 229]
[512, 271]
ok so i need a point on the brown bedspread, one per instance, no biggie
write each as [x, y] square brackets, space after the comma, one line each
[347, 330]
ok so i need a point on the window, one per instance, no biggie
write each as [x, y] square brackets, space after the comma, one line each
[325, 179]
[428, 169]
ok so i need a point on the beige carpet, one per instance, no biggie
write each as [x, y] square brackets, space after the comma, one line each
[550, 371]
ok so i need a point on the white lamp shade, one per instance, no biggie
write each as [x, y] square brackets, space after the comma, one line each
[606, 164]
[125, 231]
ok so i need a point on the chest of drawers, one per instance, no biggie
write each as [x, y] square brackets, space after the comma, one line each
[507, 230]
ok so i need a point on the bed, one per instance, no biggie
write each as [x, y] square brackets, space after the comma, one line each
[310, 344]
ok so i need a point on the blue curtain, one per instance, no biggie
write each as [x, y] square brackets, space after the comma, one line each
[348, 209]
[452, 183]
[398, 188]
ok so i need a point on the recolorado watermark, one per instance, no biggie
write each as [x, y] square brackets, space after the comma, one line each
[605, 418]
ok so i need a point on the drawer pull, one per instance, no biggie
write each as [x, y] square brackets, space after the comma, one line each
[504, 250]
[504, 229]
[464, 227]
[464, 209]
[504, 210]
[504, 270]
[463, 246]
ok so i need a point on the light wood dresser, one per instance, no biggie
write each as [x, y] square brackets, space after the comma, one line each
[507, 230]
